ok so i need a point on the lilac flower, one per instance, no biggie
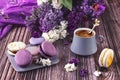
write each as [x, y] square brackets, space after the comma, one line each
[84, 10]
[88, 10]
[43, 9]
[99, 10]
[50, 20]
[75, 61]
[100, 1]
[75, 18]
[66, 42]
[36, 34]
[83, 72]
[45, 17]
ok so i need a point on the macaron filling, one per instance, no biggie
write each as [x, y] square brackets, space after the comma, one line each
[109, 58]
[102, 60]
[11, 53]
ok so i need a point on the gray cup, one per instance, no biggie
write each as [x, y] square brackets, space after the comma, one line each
[82, 45]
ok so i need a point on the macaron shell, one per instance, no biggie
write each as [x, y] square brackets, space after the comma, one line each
[34, 50]
[108, 58]
[36, 41]
[15, 46]
[100, 61]
[23, 58]
[43, 54]
[48, 48]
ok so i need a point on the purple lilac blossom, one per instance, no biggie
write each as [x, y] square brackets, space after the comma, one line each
[44, 18]
[83, 11]
[83, 72]
[75, 17]
[75, 61]
[50, 20]
[36, 34]
[43, 9]
[100, 10]
[66, 42]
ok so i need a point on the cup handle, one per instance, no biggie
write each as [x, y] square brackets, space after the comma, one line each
[100, 39]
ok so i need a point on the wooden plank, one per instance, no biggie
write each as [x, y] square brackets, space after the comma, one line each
[112, 31]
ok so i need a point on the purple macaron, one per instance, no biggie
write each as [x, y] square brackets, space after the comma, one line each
[35, 51]
[47, 49]
[36, 41]
[23, 58]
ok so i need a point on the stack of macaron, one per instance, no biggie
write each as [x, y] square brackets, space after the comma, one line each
[27, 55]
[106, 57]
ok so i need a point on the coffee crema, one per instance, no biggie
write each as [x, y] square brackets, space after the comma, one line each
[84, 33]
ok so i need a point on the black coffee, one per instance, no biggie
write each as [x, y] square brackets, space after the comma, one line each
[84, 33]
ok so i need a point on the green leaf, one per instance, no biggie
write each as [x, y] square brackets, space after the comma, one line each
[67, 3]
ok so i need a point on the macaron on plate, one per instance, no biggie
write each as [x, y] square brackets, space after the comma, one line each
[47, 49]
[22, 63]
[32, 66]
[13, 47]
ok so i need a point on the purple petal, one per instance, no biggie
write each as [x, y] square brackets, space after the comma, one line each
[36, 34]
[101, 7]
[75, 61]
[83, 72]
[66, 42]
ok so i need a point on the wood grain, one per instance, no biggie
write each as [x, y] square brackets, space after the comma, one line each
[109, 28]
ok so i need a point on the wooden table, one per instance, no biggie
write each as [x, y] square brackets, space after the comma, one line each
[109, 28]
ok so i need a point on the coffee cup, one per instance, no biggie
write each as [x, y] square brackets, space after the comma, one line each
[85, 43]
